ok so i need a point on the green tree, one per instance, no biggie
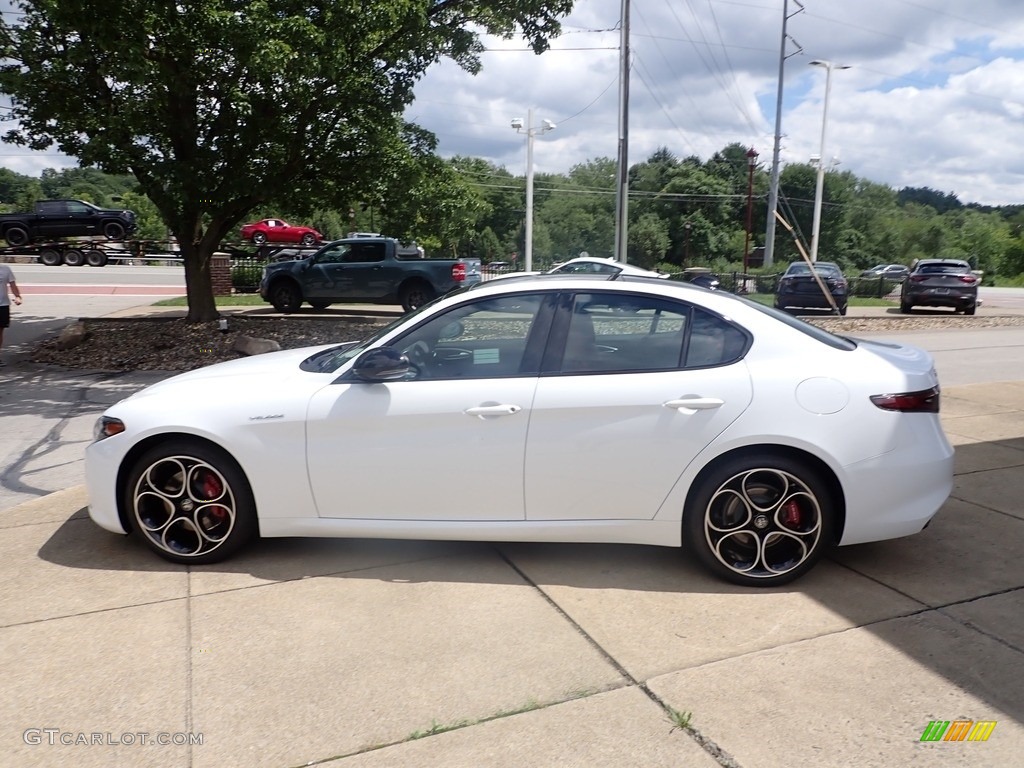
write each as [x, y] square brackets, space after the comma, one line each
[218, 107]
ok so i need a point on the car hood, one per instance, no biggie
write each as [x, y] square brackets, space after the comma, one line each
[263, 370]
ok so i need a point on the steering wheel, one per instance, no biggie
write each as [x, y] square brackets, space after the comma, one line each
[418, 354]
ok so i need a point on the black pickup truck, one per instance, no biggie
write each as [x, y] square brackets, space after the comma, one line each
[65, 218]
[371, 269]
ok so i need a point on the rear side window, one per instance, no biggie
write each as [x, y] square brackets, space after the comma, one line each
[631, 333]
[713, 341]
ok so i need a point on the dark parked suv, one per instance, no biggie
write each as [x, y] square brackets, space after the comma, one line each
[940, 283]
[799, 288]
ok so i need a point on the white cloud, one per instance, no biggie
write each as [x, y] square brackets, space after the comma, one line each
[933, 97]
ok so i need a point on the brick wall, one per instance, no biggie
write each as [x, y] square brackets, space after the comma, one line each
[220, 271]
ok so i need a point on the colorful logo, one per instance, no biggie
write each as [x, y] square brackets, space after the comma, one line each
[958, 730]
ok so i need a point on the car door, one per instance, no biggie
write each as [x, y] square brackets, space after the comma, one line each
[51, 218]
[446, 444]
[642, 386]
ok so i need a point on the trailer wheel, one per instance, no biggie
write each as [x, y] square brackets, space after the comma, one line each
[74, 258]
[49, 257]
[96, 258]
[16, 235]
[113, 230]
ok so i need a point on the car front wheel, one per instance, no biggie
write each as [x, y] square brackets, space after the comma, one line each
[760, 520]
[113, 230]
[190, 502]
[259, 238]
[308, 240]
[285, 297]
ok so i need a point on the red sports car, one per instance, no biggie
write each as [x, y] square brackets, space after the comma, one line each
[278, 231]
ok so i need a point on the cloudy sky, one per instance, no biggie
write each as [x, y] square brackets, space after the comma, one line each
[934, 93]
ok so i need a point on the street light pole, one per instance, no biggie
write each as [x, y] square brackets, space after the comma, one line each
[820, 185]
[531, 132]
[751, 164]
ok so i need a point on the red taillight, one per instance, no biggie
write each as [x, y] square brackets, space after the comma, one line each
[969, 279]
[925, 401]
[458, 272]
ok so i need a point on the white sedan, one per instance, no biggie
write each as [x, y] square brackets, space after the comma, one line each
[588, 265]
[587, 409]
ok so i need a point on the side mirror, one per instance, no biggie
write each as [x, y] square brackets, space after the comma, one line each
[381, 364]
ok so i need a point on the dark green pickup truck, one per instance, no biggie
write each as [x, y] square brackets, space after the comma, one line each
[371, 269]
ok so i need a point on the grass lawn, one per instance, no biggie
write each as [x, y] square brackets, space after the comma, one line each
[854, 301]
[235, 300]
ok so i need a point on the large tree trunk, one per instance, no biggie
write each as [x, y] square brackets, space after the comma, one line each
[198, 282]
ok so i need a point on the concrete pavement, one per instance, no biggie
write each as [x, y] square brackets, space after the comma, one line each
[388, 653]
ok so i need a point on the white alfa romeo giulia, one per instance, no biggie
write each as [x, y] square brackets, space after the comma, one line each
[579, 409]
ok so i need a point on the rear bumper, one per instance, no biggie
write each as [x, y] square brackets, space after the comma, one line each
[898, 493]
[934, 297]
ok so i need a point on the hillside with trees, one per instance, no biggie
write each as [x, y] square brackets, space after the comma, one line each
[683, 212]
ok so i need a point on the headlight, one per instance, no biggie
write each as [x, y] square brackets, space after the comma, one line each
[107, 427]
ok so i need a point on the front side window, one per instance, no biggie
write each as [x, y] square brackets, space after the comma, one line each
[483, 339]
[336, 254]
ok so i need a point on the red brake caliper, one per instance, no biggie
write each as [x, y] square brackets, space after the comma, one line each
[791, 514]
[212, 488]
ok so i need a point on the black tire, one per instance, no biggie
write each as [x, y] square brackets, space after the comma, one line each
[842, 309]
[415, 295]
[16, 236]
[971, 309]
[259, 238]
[285, 297]
[74, 258]
[96, 259]
[905, 307]
[190, 502]
[50, 257]
[113, 230]
[320, 304]
[759, 520]
[309, 239]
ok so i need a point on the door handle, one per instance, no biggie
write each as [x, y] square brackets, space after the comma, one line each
[693, 403]
[490, 411]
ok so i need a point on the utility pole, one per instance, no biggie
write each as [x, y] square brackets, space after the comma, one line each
[773, 192]
[622, 175]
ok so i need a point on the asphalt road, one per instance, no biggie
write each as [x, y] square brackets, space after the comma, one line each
[35, 278]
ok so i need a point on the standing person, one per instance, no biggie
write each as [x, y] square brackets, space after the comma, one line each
[6, 279]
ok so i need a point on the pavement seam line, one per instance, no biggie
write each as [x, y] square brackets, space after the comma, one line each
[720, 756]
[190, 661]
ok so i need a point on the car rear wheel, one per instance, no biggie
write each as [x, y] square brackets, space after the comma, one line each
[415, 295]
[759, 520]
[113, 230]
[906, 307]
[259, 238]
[309, 239]
[971, 309]
[190, 502]
[285, 297]
[16, 236]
